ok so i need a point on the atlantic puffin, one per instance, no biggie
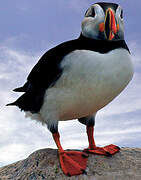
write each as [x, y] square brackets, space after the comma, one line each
[77, 78]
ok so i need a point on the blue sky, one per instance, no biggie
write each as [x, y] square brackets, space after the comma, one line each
[27, 30]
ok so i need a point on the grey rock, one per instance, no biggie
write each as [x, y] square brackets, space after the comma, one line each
[44, 165]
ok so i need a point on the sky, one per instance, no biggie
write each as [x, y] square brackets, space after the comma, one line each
[27, 30]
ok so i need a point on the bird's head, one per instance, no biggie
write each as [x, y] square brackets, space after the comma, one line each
[104, 21]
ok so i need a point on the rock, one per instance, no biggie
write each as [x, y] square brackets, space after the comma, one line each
[44, 165]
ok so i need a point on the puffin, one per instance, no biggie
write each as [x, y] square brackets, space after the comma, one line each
[77, 78]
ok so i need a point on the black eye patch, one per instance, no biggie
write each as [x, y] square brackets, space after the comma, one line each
[121, 15]
[93, 12]
[90, 12]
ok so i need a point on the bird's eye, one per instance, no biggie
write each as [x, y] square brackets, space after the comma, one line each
[121, 14]
[90, 12]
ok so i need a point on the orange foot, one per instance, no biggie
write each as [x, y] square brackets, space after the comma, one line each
[73, 162]
[107, 150]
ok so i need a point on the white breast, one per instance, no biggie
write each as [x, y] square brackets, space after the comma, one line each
[90, 80]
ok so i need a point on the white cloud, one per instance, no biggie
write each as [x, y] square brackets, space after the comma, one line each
[14, 128]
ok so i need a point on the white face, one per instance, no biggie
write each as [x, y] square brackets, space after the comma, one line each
[101, 25]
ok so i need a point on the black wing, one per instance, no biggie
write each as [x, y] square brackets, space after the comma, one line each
[43, 75]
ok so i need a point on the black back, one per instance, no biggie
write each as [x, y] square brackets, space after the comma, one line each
[47, 71]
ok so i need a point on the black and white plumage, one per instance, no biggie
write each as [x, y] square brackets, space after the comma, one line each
[79, 77]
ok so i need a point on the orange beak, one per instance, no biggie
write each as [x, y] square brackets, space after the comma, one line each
[109, 26]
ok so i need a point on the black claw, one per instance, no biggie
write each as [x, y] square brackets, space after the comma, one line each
[68, 174]
[86, 150]
[83, 171]
[108, 154]
[85, 155]
[118, 147]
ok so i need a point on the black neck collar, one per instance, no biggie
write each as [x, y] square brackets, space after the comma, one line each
[102, 46]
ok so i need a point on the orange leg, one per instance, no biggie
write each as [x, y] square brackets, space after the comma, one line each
[72, 162]
[107, 150]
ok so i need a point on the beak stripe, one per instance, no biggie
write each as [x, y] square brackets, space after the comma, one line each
[110, 24]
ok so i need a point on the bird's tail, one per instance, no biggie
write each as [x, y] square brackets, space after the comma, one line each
[24, 88]
[30, 101]
[11, 104]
